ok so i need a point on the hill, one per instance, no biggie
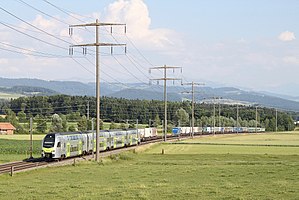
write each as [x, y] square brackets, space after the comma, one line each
[229, 95]
[28, 91]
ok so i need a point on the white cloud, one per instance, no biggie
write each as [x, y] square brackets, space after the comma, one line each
[3, 61]
[135, 14]
[44, 24]
[291, 60]
[287, 36]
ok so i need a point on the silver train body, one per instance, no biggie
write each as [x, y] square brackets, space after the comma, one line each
[69, 144]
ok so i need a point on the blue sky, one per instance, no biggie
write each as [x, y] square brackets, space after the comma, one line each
[247, 44]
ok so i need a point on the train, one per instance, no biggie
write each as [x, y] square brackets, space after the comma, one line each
[69, 144]
[177, 131]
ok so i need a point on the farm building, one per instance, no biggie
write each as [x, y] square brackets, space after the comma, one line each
[6, 129]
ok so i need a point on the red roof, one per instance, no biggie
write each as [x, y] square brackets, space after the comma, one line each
[6, 126]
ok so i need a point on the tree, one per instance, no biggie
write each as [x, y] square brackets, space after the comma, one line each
[82, 124]
[41, 124]
[22, 117]
[56, 125]
[64, 123]
[12, 118]
[157, 121]
[182, 117]
[72, 128]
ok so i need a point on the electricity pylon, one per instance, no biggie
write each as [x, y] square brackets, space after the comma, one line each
[97, 44]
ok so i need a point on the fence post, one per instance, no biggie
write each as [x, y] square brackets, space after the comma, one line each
[12, 170]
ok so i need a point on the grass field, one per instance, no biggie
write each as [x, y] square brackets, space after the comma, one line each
[16, 147]
[231, 169]
[9, 96]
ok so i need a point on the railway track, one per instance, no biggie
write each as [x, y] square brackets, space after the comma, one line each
[19, 166]
[13, 167]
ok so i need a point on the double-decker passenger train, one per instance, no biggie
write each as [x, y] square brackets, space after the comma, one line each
[69, 144]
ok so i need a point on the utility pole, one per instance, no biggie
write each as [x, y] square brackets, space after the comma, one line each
[255, 119]
[92, 130]
[214, 112]
[87, 111]
[219, 114]
[165, 79]
[137, 131]
[193, 100]
[237, 118]
[31, 141]
[97, 44]
[276, 120]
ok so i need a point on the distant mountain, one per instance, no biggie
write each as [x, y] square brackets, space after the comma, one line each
[144, 95]
[292, 98]
[229, 95]
[28, 91]
[253, 98]
[63, 87]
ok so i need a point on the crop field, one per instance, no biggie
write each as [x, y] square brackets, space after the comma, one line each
[16, 147]
[236, 168]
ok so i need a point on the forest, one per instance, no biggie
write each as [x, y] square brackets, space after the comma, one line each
[75, 113]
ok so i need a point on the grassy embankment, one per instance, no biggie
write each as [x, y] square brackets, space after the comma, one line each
[229, 167]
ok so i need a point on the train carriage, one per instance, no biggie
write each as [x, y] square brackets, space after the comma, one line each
[63, 145]
[118, 138]
[132, 137]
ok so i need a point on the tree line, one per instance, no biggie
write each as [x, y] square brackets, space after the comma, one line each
[63, 111]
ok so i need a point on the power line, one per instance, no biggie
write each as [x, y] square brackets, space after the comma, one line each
[68, 12]
[165, 79]
[34, 26]
[192, 92]
[34, 8]
[49, 55]
[97, 44]
[51, 44]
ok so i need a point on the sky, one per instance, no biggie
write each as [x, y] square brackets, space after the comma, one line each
[251, 45]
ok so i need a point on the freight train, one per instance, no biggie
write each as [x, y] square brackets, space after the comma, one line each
[217, 130]
[69, 144]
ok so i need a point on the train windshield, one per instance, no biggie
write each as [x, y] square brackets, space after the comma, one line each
[49, 141]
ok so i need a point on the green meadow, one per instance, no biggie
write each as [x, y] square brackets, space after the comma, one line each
[256, 166]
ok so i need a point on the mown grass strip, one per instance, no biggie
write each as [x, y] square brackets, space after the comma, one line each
[229, 144]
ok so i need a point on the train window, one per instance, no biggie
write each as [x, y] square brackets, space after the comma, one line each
[59, 144]
[49, 141]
